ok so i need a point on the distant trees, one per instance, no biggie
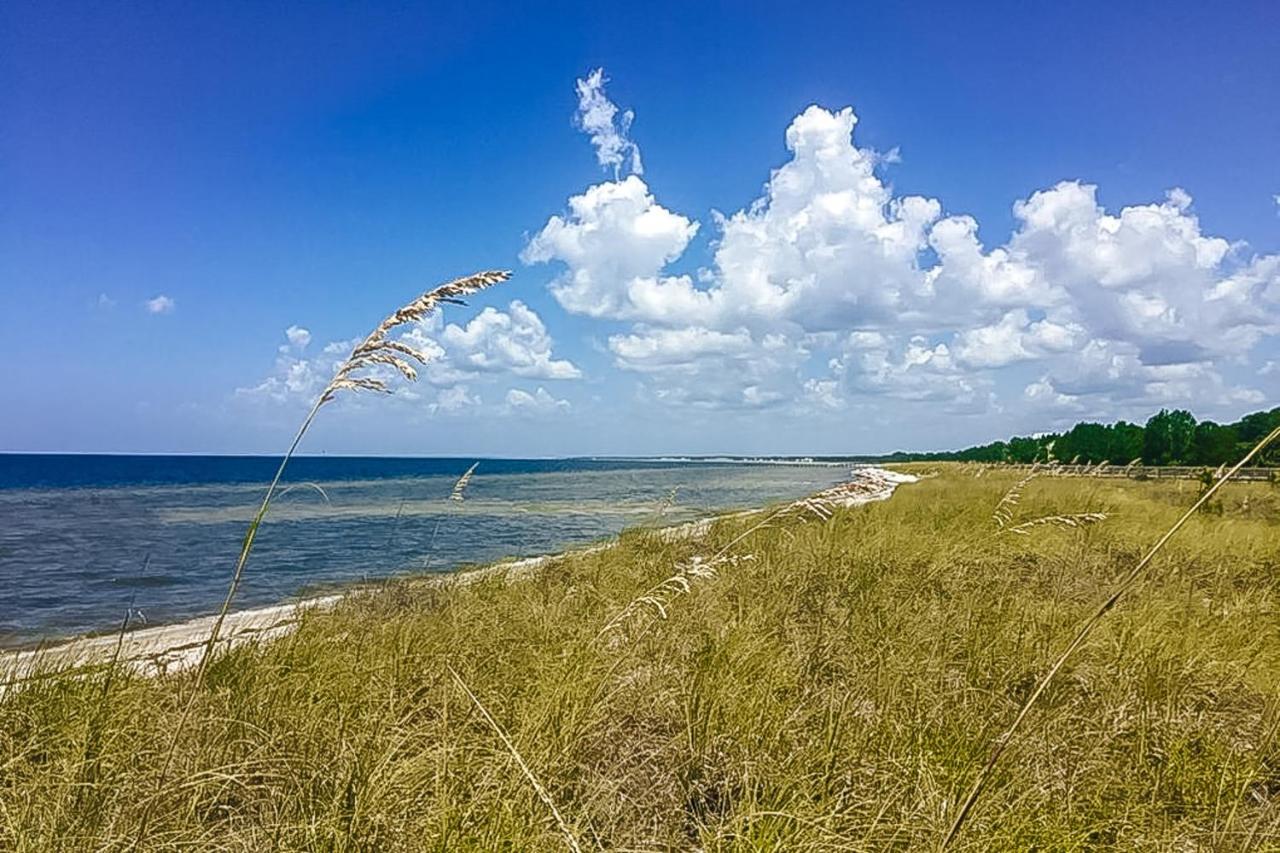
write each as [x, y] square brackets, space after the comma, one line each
[1093, 443]
[1215, 444]
[1126, 443]
[1028, 450]
[1252, 428]
[1088, 442]
[1170, 437]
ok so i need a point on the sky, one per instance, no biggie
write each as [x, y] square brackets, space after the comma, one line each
[733, 228]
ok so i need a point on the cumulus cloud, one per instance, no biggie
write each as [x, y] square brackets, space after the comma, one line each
[614, 242]
[294, 377]
[298, 337]
[915, 371]
[900, 299]
[514, 341]
[650, 350]
[540, 402]
[493, 344]
[455, 400]
[160, 305]
[1015, 338]
[607, 127]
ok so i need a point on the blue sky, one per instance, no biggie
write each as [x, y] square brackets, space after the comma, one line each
[1043, 214]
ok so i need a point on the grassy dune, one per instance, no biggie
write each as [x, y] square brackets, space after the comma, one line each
[837, 686]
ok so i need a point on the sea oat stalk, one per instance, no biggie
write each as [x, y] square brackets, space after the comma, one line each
[1078, 519]
[1004, 510]
[352, 375]
[377, 349]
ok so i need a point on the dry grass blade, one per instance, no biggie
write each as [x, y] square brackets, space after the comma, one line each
[569, 837]
[1079, 519]
[304, 485]
[1087, 628]
[460, 487]
[1003, 513]
[657, 599]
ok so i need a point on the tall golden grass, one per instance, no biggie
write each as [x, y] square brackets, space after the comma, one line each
[839, 690]
[1086, 628]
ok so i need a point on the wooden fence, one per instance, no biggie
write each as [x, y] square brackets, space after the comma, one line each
[1157, 472]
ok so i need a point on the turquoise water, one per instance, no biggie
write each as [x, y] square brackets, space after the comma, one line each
[85, 538]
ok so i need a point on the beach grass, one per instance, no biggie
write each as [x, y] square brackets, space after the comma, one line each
[812, 685]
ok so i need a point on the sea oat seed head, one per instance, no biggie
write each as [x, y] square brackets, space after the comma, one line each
[461, 486]
[377, 349]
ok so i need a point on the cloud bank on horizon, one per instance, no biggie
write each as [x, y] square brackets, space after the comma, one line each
[830, 291]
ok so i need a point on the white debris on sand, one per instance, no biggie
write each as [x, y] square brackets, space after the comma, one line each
[166, 649]
[866, 485]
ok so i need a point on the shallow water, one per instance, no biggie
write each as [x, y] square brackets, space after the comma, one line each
[83, 539]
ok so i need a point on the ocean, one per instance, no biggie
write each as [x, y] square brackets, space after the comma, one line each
[86, 538]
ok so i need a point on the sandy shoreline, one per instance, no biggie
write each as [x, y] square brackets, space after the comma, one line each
[164, 649]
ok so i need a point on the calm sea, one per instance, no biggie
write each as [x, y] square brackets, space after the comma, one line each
[84, 538]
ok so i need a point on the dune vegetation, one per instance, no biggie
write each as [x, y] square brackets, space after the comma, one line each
[810, 683]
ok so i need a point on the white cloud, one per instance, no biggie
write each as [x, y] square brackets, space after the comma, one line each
[293, 379]
[828, 265]
[708, 368]
[599, 117]
[1146, 275]
[454, 400]
[917, 371]
[160, 305]
[827, 247]
[105, 302]
[1109, 378]
[824, 393]
[515, 342]
[966, 273]
[1015, 338]
[1043, 395]
[614, 240]
[540, 402]
[491, 345]
[659, 349]
[298, 337]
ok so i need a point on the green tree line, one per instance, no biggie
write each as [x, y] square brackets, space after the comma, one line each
[1169, 437]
